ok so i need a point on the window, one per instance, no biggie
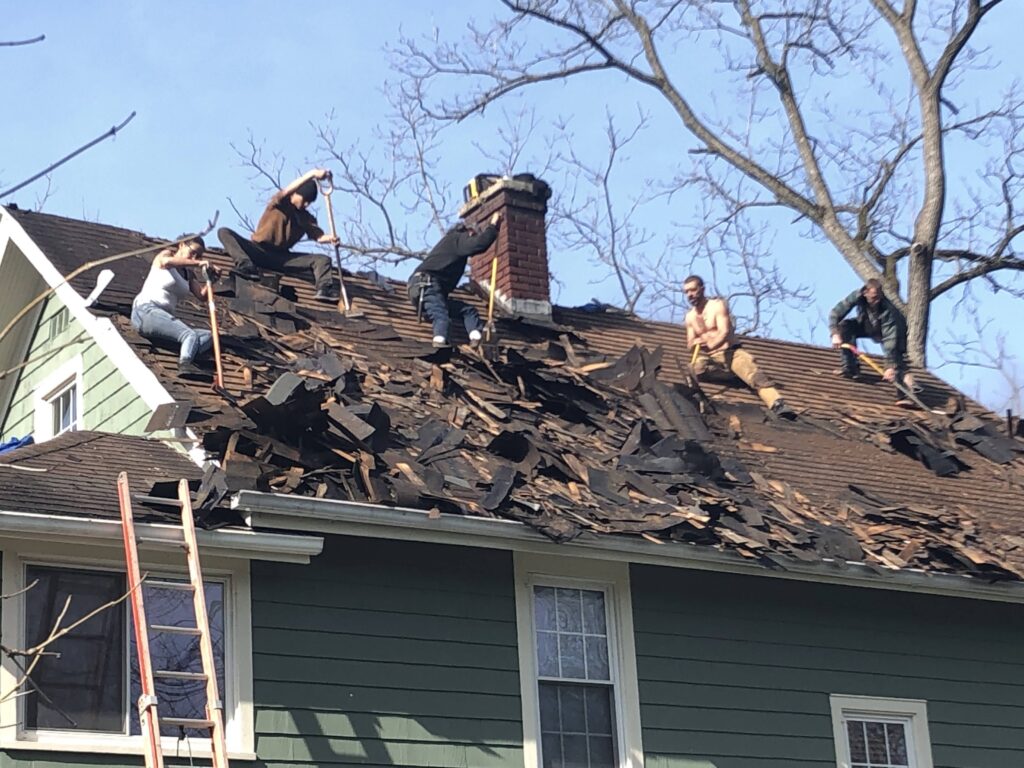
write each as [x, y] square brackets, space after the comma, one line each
[91, 689]
[58, 401]
[880, 733]
[577, 664]
[64, 408]
[91, 684]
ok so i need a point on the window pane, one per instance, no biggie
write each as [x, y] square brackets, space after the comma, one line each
[897, 740]
[180, 653]
[547, 654]
[599, 710]
[570, 652]
[597, 658]
[86, 683]
[570, 610]
[576, 725]
[877, 753]
[544, 607]
[855, 731]
[593, 612]
[574, 715]
[551, 750]
[64, 407]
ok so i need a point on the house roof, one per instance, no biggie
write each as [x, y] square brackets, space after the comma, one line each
[586, 424]
[75, 474]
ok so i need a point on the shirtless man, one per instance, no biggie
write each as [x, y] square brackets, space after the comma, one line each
[709, 328]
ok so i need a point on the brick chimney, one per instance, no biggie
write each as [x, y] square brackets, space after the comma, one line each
[523, 286]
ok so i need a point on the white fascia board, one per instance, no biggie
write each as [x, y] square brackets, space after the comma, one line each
[101, 330]
[224, 542]
[138, 375]
[329, 516]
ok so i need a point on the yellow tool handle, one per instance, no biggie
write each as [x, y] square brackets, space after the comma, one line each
[861, 356]
[494, 282]
[693, 358]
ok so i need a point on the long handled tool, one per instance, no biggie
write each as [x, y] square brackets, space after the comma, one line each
[903, 388]
[327, 187]
[489, 328]
[218, 381]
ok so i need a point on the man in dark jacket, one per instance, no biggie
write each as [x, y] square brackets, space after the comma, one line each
[439, 273]
[878, 319]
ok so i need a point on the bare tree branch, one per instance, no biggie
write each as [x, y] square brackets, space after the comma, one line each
[108, 134]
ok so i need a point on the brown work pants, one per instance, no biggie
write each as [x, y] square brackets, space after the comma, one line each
[739, 362]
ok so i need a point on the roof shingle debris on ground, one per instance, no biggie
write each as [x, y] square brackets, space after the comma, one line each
[585, 424]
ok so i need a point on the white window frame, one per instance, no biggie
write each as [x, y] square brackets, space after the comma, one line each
[912, 712]
[238, 674]
[611, 578]
[56, 383]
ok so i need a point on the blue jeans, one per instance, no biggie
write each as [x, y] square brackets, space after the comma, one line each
[160, 325]
[438, 307]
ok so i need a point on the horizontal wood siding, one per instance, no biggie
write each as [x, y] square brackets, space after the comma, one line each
[110, 404]
[736, 672]
[387, 653]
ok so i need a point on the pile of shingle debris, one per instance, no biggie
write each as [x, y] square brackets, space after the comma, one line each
[540, 430]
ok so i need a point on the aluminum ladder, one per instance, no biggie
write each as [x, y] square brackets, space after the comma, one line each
[147, 704]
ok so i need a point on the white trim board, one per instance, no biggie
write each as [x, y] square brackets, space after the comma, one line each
[301, 513]
[613, 580]
[238, 636]
[912, 712]
[101, 330]
[224, 542]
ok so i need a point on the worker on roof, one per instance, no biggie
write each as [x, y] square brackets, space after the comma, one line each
[170, 279]
[283, 223]
[438, 274]
[877, 319]
[710, 333]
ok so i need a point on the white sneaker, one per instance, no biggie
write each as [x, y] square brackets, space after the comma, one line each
[440, 341]
[474, 338]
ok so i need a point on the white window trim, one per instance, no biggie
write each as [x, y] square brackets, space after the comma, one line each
[238, 698]
[868, 707]
[613, 579]
[68, 373]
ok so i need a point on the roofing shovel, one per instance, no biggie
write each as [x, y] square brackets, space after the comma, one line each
[904, 390]
[344, 307]
[218, 379]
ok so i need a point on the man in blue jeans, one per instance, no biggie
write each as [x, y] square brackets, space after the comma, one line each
[438, 274]
[168, 281]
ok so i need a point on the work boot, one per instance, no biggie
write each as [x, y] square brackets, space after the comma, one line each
[440, 341]
[248, 271]
[847, 372]
[781, 410]
[189, 370]
[474, 339]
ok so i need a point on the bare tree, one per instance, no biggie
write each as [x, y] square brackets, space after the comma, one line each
[867, 174]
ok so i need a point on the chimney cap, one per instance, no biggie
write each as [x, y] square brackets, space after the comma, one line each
[482, 186]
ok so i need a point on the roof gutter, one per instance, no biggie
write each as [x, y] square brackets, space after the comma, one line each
[225, 542]
[280, 511]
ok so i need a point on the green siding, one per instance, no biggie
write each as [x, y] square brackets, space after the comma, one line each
[110, 404]
[736, 671]
[387, 653]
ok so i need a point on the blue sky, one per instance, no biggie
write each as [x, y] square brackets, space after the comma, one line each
[202, 76]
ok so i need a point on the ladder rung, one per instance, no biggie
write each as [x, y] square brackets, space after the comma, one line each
[172, 630]
[182, 585]
[173, 675]
[186, 722]
[162, 501]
